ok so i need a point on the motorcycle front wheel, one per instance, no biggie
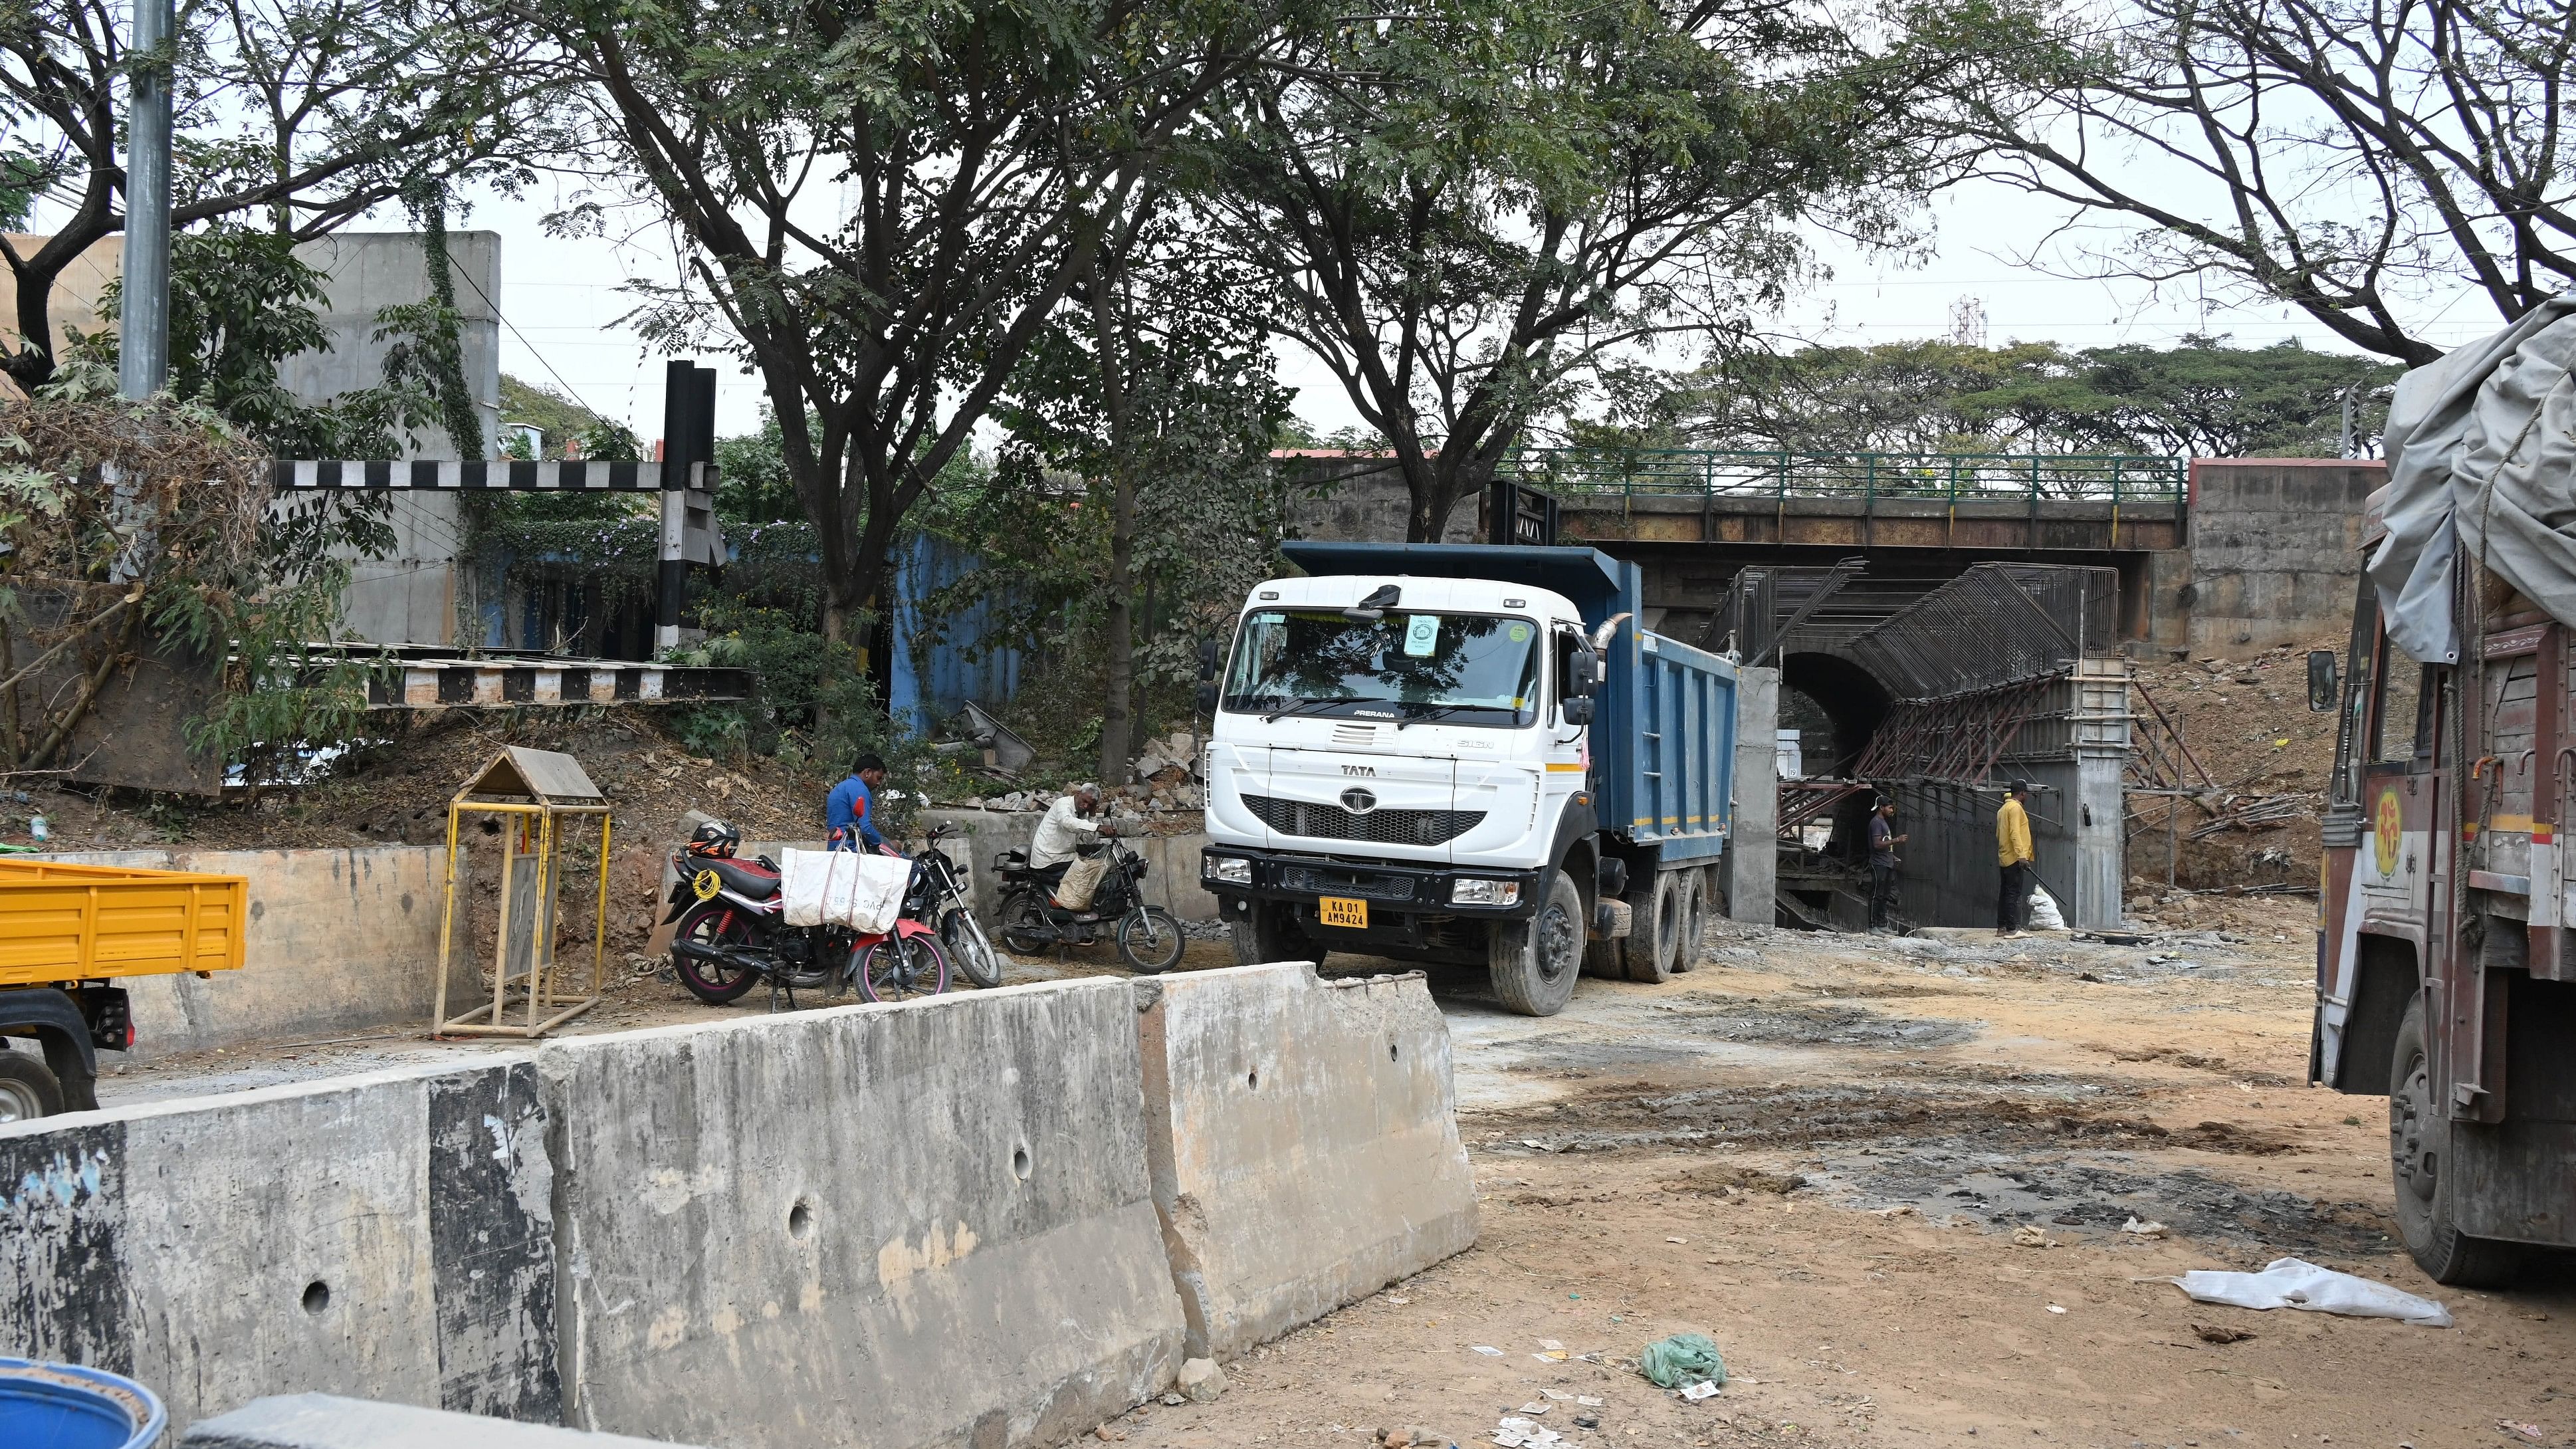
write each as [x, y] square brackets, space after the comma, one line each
[970, 948]
[900, 968]
[713, 982]
[1025, 927]
[1151, 940]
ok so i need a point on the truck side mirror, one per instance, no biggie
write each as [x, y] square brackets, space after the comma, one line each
[2321, 679]
[1207, 697]
[1577, 709]
[1208, 656]
[1585, 677]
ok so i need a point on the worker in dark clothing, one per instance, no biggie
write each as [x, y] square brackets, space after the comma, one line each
[1883, 841]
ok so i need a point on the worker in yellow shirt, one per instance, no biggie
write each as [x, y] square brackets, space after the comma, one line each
[2020, 863]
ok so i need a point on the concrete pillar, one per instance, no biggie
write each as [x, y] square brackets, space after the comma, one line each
[1751, 869]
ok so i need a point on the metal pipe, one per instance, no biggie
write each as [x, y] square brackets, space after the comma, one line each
[143, 334]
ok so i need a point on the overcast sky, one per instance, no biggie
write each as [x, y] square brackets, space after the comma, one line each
[561, 301]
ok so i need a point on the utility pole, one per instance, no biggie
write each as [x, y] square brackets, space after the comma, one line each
[143, 341]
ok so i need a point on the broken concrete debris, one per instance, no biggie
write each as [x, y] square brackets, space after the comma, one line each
[1201, 1381]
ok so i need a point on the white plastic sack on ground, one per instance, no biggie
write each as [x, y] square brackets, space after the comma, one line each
[843, 888]
[2297, 1283]
[1081, 881]
[2044, 913]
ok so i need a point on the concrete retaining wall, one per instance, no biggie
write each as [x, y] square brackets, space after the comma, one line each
[2275, 550]
[339, 941]
[1305, 1143]
[891, 1226]
[386, 1235]
[1171, 878]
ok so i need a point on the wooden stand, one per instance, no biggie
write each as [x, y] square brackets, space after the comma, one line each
[538, 795]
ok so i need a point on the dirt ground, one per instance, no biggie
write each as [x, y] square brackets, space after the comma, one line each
[1827, 1153]
[1818, 1151]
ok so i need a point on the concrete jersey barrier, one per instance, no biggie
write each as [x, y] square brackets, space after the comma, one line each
[323, 1421]
[901, 1227]
[386, 1235]
[1304, 1139]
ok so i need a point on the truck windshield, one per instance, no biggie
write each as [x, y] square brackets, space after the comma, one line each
[1470, 669]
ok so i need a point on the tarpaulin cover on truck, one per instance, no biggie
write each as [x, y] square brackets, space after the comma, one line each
[2482, 455]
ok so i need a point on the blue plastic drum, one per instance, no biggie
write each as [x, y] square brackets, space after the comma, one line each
[63, 1406]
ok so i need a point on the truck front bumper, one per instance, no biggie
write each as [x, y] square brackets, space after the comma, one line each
[1396, 890]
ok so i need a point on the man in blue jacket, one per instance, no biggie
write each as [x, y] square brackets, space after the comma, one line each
[849, 812]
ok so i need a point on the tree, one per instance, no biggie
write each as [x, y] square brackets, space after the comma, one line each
[1464, 209]
[1156, 389]
[305, 114]
[2200, 399]
[2349, 157]
[980, 150]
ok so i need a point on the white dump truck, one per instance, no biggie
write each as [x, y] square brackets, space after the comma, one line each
[1467, 755]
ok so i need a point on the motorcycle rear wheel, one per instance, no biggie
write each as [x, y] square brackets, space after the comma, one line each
[713, 982]
[1151, 940]
[969, 948]
[1025, 927]
[901, 968]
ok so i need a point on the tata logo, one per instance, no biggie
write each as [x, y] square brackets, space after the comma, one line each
[1368, 770]
[1359, 801]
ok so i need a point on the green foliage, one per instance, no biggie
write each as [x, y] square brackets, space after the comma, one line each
[558, 416]
[1467, 210]
[753, 484]
[2202, 399]
[175, 557]
[431, 354]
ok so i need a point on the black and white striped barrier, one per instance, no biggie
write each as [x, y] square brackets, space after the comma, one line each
[451, 683]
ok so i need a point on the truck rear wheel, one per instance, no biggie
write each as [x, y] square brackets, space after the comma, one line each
[1535, 962]
[27, 1089]
[2421, 1176]
[1694, 921]
[1651, 951]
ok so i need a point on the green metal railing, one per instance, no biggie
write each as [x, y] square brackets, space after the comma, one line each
[1574, 474]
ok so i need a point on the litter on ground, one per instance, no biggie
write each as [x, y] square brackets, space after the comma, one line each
[2298, 1283]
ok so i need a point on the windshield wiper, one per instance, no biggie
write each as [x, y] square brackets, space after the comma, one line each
[1432, 712]
[1295, 707]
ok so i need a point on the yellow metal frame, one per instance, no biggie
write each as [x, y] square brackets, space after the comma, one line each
[539, 989]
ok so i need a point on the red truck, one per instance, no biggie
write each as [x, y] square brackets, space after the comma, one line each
[2445, 980]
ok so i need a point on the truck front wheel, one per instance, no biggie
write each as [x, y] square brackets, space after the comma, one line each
[1269, 933]
[1535, 961]
[27, 1089]
[2423, 1175]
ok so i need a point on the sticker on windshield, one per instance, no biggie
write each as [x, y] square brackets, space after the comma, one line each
[1421, 635]
[1518, 633]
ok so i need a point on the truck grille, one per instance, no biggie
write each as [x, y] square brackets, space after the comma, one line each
[1381, 827]
[1347, 883]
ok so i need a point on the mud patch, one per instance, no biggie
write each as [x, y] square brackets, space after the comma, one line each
[1613, 1119]
[1727, 1178]
[2093, 1194]
[1825, 1023]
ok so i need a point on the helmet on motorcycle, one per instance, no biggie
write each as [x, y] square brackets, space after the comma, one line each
[715, 838]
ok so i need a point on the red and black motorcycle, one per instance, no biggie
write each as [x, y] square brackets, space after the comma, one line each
[733, 934]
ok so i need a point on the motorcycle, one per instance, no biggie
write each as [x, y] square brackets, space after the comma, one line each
[939, 899]
[732, 934]
[1149, 938]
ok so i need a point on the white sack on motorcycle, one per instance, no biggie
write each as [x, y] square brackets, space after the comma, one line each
[1081, 881]
[843, 888]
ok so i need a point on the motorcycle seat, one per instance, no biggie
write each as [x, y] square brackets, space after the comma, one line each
[742, 877]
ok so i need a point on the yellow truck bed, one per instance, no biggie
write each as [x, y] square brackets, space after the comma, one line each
[84, 922]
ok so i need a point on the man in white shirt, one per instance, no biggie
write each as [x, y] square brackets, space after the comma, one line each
[1068, 827]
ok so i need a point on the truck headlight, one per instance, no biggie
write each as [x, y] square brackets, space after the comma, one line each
[1229, 870]
[1484, 892]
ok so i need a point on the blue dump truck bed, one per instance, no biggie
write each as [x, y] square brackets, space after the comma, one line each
[1663, 740]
